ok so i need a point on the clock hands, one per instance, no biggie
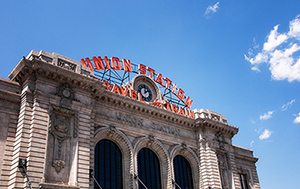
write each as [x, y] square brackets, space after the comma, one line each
[145, 92]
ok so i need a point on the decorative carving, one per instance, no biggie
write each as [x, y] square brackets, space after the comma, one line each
[220, 138]
[60, 126]
[184, 148]
[151, 140]
[215, 117]
[112, 130]
[66, 65]
[58, 165]
[61, 130]
[66, 93]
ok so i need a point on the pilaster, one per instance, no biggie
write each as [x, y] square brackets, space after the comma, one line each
[209, 164]
[37, 146]
[84, 146]
[21, 143]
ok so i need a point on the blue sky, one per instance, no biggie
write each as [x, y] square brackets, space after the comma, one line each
[238, 58]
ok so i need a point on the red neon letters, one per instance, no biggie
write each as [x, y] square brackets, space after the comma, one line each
[115, 64]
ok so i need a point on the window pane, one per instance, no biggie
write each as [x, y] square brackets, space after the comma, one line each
[108, 165]
[148, 169]
[243, 181]
[183, 173]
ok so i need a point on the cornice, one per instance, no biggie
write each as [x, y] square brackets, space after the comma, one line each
[205, 123]
[246, 157]
[38, 68]
[9, 96]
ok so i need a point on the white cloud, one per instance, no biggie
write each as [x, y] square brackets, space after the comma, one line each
[280, 52]
[254, 68]
[251, 143]
[266, 115]
[295, 28]
[284, 66]
[266, 134]
[297, 119]
[288, 105]
[211, 9]
[258, 59]
[274, 40]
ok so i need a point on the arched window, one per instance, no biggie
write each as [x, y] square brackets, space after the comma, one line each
[148, 169]
[108, 165]
[183, 173]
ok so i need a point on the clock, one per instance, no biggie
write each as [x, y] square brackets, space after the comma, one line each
[146, 86]
[145, 91]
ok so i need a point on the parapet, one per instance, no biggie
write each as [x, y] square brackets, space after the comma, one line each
[60, 61]
[208, 114]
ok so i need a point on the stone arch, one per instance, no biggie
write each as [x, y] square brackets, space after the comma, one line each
[157, 147]
[191, 157]
[124, 144]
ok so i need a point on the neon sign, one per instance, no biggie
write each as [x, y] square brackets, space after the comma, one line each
[114, 63]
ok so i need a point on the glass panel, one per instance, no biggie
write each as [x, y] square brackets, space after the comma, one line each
[108, 165]
[183, 173]
[148, 169]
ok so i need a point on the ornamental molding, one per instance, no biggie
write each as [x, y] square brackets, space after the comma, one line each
[224, 129]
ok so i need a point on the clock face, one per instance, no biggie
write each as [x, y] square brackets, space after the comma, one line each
[145, 91]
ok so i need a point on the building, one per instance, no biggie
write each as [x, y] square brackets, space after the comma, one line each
[65, 127]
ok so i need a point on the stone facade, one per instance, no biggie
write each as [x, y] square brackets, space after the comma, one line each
[53, 113]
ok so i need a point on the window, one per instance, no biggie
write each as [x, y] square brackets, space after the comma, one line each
[108, 165]
[243, 181]
[148, 169]
[183, 173]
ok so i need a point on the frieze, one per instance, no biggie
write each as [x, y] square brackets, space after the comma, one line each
[140, 122]
[165, 129]
[129, 119]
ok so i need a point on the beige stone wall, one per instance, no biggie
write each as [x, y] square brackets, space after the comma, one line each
[9, 109]
[245, 163]
[53, 114]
